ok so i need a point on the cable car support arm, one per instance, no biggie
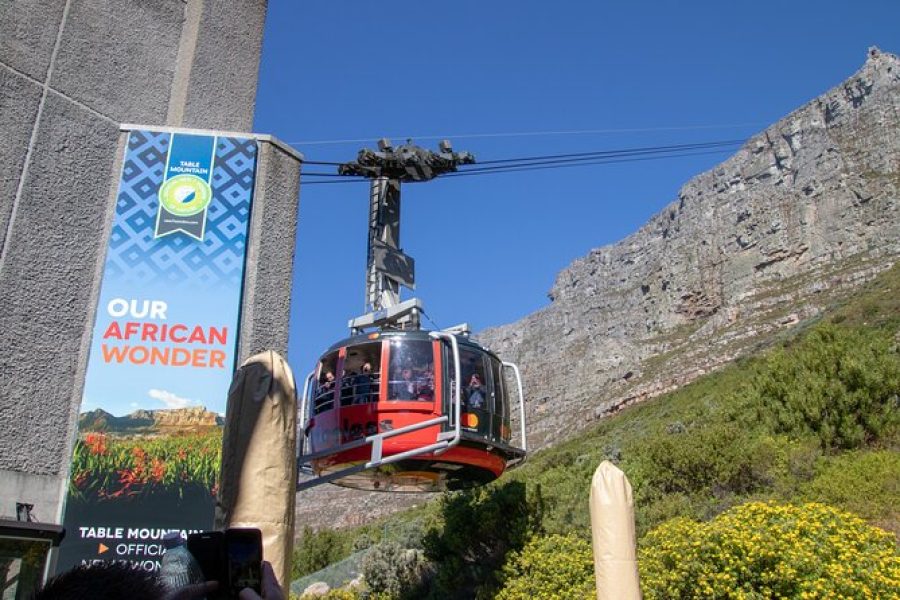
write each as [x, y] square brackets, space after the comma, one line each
[387, 266]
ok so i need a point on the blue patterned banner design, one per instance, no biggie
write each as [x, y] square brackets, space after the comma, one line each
[163, 350]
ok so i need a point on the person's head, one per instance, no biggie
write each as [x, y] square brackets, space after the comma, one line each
[329, 376]
[406, 373]
[103, 581]
[475, 379]
[367, 368]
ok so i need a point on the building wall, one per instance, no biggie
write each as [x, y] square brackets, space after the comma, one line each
[71, 71]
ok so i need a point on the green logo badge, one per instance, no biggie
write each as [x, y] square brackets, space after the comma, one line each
[185, 195]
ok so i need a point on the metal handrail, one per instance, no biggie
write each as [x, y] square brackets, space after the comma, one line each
[521, 402]
[370, 439]
[375, 458]
[456, 422]
[304, 399]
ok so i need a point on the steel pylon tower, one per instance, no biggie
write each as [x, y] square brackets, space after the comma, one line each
[387, 267]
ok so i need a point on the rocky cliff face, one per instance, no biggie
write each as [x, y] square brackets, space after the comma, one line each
[797, 218]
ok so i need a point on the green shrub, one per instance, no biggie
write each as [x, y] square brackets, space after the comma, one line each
[315, 550]
[480, 527]
[717, 459]
[764, 550]
[362, 542]
[407, 533]
[550, 568]
[839, 384]
[394, 571]
[865, 483]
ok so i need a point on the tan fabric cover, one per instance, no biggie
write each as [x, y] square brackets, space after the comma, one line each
[258, 481]
[612, 529]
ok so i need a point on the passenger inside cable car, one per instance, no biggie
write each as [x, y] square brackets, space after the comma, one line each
[365, 385]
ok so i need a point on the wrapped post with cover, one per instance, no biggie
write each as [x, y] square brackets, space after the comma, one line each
[613, 535]
[258, 479]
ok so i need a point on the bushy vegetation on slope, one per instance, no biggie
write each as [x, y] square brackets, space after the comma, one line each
[755, 550]
[813, 420]
[548, 567]
[768, 550]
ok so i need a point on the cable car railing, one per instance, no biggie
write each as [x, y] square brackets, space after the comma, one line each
[509, 365]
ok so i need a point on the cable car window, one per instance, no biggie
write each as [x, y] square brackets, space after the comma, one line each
[498, 392]
[500, 420]
[362, 378]
[411, 373]
[474, 392]
[324, 395]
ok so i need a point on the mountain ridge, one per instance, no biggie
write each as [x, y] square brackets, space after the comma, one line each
[168, 420]
[796, 219]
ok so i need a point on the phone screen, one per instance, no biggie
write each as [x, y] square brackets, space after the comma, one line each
[208, 548]
[244, 550]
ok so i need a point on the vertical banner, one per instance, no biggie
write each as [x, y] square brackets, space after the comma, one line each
[163, 350]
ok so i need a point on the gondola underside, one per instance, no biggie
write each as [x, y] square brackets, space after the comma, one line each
[469, 464]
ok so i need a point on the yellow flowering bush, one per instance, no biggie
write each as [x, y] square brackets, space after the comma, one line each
[765, 550]
[555, 567]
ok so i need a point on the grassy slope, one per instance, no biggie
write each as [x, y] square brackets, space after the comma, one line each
[702, 449]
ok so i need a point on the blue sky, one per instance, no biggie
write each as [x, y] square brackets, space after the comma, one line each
[635, 74]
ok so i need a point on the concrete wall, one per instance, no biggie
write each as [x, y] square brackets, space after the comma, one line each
[273, 227]
[70, 72]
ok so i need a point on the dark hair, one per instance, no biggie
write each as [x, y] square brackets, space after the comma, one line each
[102, 581]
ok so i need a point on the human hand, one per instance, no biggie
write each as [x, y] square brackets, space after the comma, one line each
[270, 588]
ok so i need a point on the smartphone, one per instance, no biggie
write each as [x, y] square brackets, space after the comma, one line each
[243, 552]
[208, 548]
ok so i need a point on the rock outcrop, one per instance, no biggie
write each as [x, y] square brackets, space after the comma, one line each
[803, 213]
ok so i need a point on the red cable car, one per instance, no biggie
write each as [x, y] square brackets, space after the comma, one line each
[384, 411]
[397, 408]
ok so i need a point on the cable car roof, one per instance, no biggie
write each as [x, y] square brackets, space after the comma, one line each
[411, 335]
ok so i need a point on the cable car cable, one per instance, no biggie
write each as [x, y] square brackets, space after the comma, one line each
[342, 180]
[514, 169]
[535, 133]
[534, 166]
[430, 320]
[611, 152]
[330, 175]
[562, 158]
[585, 159]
